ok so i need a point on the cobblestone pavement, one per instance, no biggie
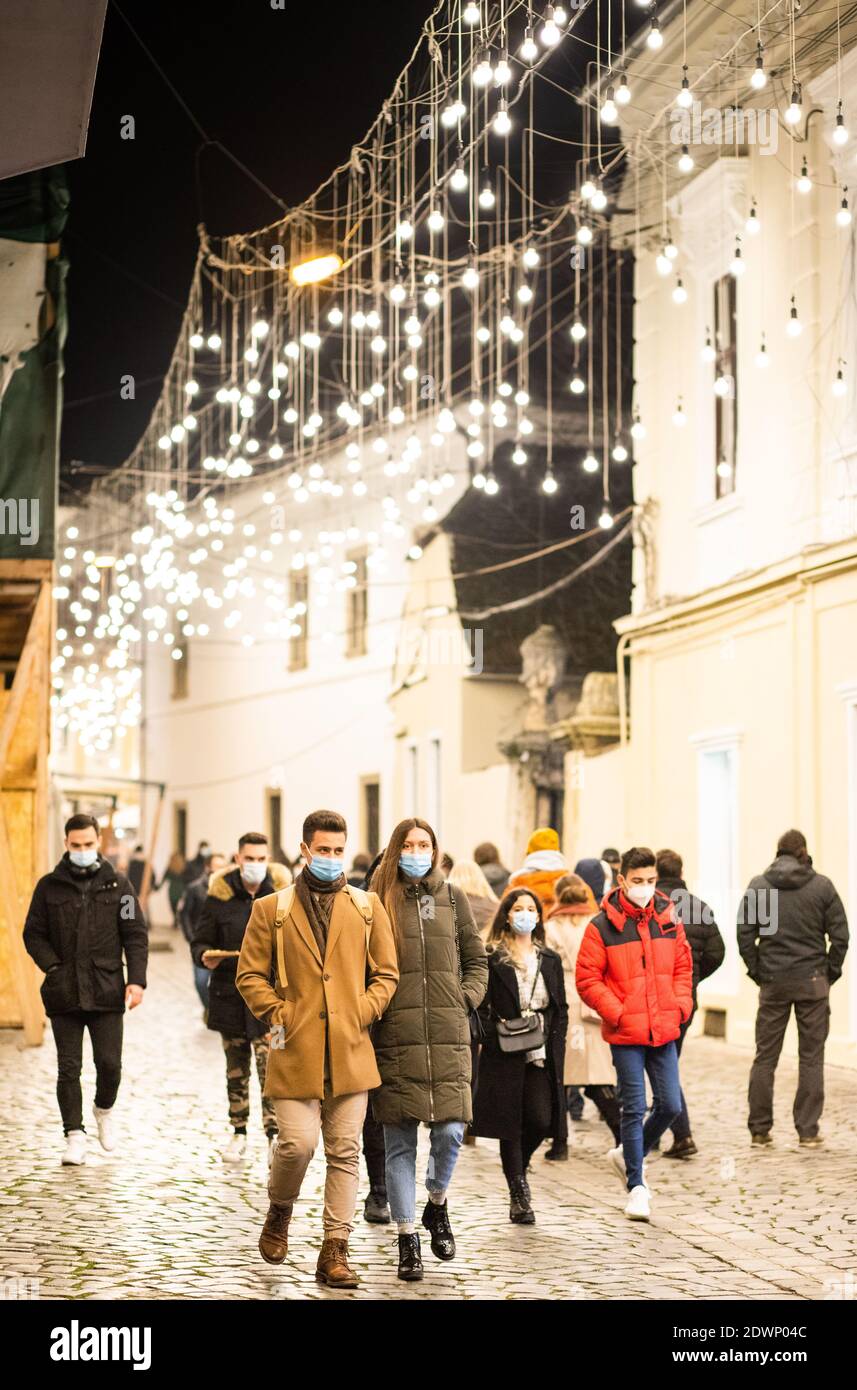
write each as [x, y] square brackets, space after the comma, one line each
[164, 1217]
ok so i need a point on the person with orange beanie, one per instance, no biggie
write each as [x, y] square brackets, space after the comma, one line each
[542, 867]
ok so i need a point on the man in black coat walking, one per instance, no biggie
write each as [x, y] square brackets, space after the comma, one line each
[786, 919]
[216, 944]
[81, 919]
[707, 948]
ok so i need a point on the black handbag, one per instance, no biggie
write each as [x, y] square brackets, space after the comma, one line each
[524, 1034]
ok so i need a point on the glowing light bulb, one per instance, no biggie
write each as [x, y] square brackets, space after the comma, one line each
[623, 91]
[599, 200]
[843, 216]
[578, 331]
[502, 72]
[679, 292]
[458, 180]
[486, 196]
[708, 353]
[804, 183]
[685, 160]
[655, 38]
[759, 78]
[620, 453]
[483, 72]
[679, 417]
[471, 13]
[529, 50]
[584, 234]
[405, 230]
[215, 342]
[530, 257]
[685, 95]
[549, 483]
[737, 265]
[753, 225]
[587, 189]
[762, 354]
[577, 386]
[605, 520]
[502, 123]
[334, 316]
[436, 220]
[609, 109]
[663, 263]
[519, 456]
[590, 463]
[840, 130]
[794, 327]
[638, 429]
[196, 340]
[525, 294]
[839, 387]
[470, 278]
[549, 32]
[793, 110]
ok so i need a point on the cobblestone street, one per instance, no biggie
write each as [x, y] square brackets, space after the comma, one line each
[164, 1218]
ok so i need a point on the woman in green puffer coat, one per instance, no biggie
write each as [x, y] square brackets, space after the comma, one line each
[422, 1043]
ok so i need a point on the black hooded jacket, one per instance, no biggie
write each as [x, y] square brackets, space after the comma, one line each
[78, 926]
[702, 932]
[786, 918]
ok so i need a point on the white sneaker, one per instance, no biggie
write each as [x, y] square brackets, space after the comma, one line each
[235, 1149]
[106, 1128]
[616, 1159]
[75, 1147]
[272, 1148]
[637, 1208]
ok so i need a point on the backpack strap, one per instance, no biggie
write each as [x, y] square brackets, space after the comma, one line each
[363, 903]
[285, 898]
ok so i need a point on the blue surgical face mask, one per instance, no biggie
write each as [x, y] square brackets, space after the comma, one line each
[83, 858]
[253, 873]
[325, 867]
[525, 921]
[415, 865]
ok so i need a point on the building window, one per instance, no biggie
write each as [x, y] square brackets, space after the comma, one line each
[299, 605]
[718, 885]
[358, 605]
[726, 385]
[433, 789]
[274, 821]
[371, 826]
[180, 654]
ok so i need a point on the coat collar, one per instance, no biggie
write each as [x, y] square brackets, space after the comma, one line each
[341, 904]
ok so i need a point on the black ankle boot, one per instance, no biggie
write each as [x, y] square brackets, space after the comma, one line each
[558, 1152]
[410, 1259]
[520, 1211]
[436, 1221]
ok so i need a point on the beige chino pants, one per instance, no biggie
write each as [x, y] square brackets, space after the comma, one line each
[340, 1121]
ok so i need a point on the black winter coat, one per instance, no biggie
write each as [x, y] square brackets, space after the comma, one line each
[77, 928]
[703, 934]
[498, 1104]
[786, 918]
[221, 927]
[192, 905]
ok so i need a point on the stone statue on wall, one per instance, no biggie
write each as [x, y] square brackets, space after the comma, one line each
[644, 533]
[543, 660]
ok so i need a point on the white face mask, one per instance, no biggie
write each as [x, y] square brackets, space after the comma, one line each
[253, 873]
[640, 894]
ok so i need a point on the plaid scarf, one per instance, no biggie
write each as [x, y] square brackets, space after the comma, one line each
[316, 899]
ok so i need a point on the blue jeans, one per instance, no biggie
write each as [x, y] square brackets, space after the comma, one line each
[633, 1063]
[400, 1144]
[201, 977]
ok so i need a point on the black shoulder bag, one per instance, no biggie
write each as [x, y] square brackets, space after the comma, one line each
[524, 1034]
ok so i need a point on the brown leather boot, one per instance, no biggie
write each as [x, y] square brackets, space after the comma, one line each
[333, 1268]
[274, 1240]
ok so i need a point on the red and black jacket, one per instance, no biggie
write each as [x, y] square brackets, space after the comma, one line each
[635, 969]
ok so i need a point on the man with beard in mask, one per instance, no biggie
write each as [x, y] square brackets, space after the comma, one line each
[635, 969]
[83, 917]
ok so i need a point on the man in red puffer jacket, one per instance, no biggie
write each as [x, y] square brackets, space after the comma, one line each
[635, 969]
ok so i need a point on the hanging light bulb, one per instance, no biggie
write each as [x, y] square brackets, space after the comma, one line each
[685, 95]
[724, 469]
[671, 250]
[483, 334]
[483, 73]
[620, 453]
[577, 385]
[531, 258]
[549, 33]
[587, 189]
[436, 220]
[679, 417]
[722, 385]
[793, 110]
[590, 462]
[215, 342]
[762, 354]
[584, 234]
[492, 487]
[525, 294]
[549, 482]
[405, 230]
[470, 278]
[502, 72]
[804, 183]
[605, 520]
[843, 216]
[486, 194]
[560, 14]
[334, 317]
[655, 38]
[794, 327]
[708, 352]
[519, 455]
[529, 49]
[840, 130]
[196, 340]
[502, 123]
[679, 292]
[685, 160]
[759, 78]
[663, 263]
[638, 429]
[737, 265]
[578, 331]
[599, 200]
[623, 91]
[609, 110]
[839, 387]
[452, 114]
[753, 225]
[458, 178]
[471, 13]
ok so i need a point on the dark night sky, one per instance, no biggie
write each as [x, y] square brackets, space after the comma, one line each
[288, 92]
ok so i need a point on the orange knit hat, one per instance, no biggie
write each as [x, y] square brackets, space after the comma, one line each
[542, 839]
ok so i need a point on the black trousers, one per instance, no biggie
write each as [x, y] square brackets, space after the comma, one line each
[374, 1153]
[105, 1035]
[515, 1154]
[810, 1000]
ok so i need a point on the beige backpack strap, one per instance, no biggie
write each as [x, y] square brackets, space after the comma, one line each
[285, 898]
[363, 903]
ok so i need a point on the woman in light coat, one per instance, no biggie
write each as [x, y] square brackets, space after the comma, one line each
[588, 1061]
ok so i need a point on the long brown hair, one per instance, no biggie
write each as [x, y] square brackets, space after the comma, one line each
[388, 880]
[500, 928]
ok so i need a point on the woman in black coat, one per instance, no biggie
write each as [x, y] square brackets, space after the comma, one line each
[520, 1095]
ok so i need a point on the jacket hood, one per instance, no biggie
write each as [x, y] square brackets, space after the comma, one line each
[542, 859]
[219, 886]
[787, 872]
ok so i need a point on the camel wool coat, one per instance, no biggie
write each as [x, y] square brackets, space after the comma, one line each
[320, 1004]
